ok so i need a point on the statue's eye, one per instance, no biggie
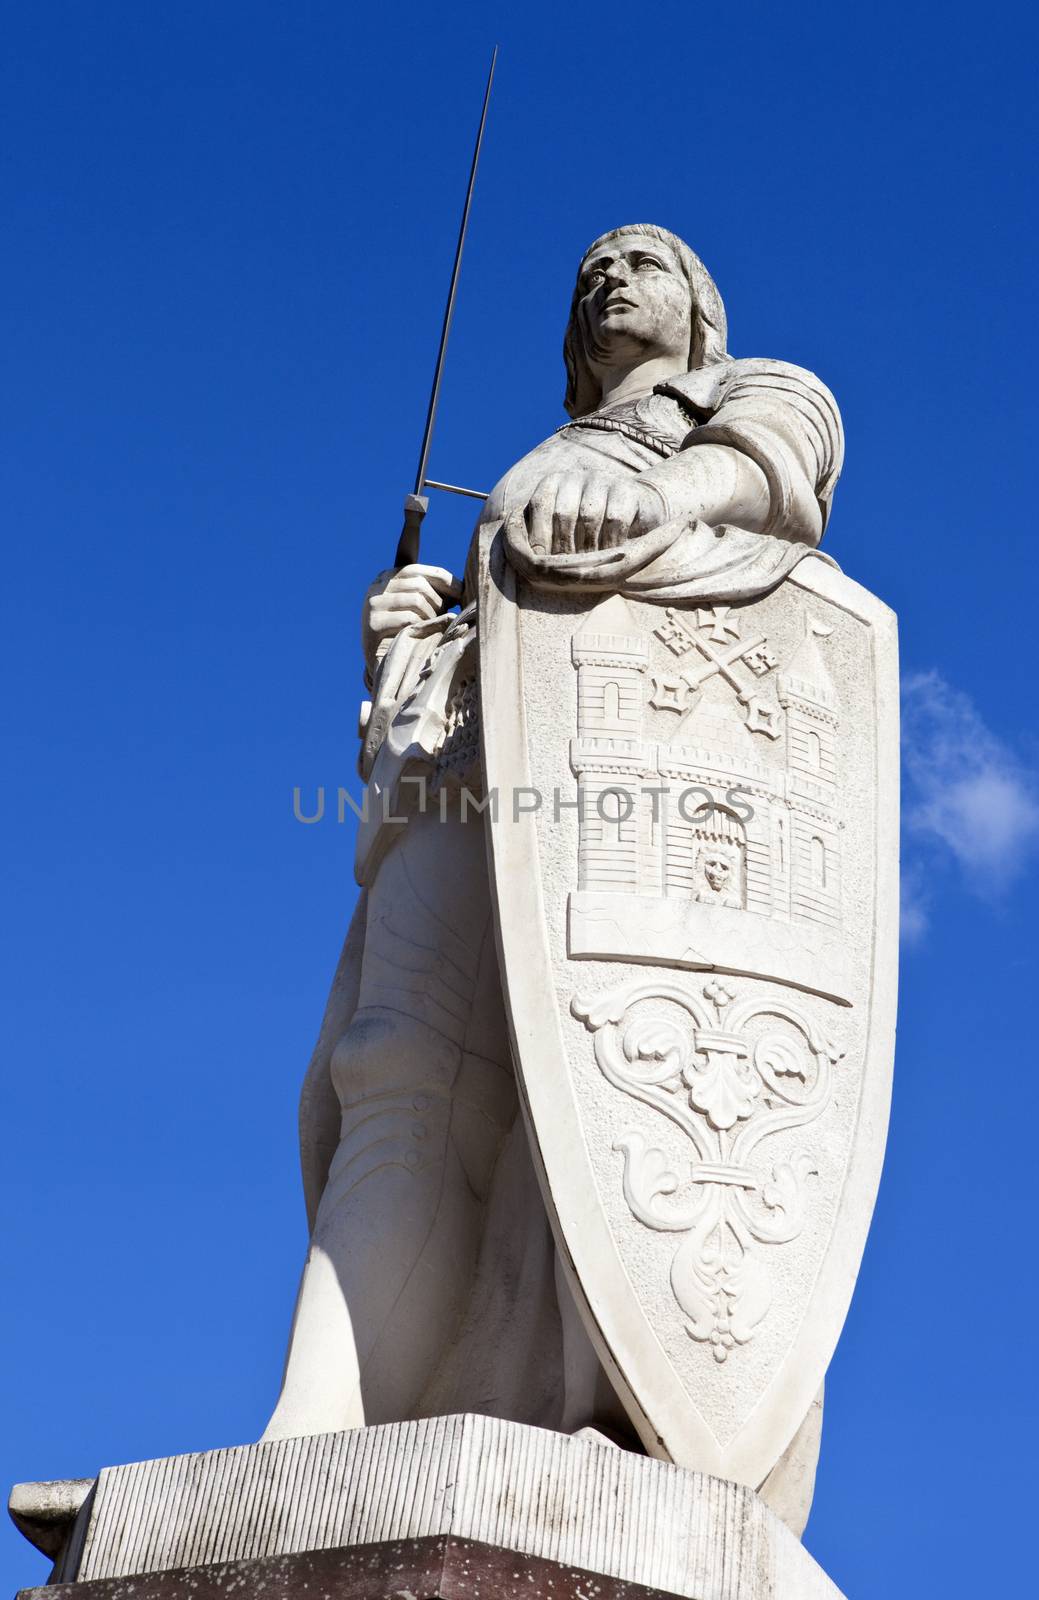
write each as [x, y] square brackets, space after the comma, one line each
[595, 277]
[649, 263]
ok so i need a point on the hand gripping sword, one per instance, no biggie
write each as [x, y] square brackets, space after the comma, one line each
[417, 504]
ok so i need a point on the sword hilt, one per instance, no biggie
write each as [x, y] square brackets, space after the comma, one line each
[415, 508]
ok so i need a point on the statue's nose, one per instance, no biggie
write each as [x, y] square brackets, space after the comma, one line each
[617, 275]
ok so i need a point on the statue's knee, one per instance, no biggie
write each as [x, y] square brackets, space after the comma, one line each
[412, 1100]
[385, 1053]
[394, 1079]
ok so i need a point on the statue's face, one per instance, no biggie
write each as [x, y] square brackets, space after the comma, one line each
[635, 302]
[716, 870]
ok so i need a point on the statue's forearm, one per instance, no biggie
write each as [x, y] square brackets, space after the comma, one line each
[713, 483]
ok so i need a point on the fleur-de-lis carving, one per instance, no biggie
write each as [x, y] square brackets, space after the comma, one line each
[727, 1085]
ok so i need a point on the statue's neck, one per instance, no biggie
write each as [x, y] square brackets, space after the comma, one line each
[631, 383]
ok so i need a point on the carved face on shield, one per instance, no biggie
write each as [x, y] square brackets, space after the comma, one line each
[717, 869]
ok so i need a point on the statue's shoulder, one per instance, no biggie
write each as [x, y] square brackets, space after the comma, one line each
[797, 404]
[784, 418]
[706, 389]
[765, 372]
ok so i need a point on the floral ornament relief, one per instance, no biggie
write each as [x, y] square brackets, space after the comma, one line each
[727, 1091]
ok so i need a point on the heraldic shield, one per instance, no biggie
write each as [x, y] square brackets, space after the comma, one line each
[694, 848]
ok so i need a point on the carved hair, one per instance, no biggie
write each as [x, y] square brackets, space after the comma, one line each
[706, 344]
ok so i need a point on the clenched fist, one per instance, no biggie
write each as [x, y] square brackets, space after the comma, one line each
[571, 511]
[396, 598]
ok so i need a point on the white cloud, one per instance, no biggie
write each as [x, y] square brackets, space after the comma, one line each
[914, 917]
[966, 788]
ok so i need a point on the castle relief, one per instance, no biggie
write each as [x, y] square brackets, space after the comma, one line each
[709, 774]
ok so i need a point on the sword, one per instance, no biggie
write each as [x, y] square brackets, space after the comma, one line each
[417, 504]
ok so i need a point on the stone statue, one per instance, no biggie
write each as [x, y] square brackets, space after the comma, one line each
[571, 1145]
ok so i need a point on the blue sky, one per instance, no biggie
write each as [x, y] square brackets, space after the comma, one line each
[229, 232]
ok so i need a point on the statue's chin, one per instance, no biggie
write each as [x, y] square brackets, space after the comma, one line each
[617, 343]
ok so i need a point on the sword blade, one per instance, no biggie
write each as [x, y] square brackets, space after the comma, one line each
[407, 549]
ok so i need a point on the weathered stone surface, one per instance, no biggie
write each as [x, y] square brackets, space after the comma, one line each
[45, 1512]
[443, 1568]
[544, 1497]
[594, 1125]
[422, 1569]
[638, 612]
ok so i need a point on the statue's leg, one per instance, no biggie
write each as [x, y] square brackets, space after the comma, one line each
[591, 1402]
[426, 1088]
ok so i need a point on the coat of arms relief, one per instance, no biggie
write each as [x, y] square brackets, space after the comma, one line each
[710, 838]
[709, 775]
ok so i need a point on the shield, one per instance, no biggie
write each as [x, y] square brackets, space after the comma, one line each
[695, 859]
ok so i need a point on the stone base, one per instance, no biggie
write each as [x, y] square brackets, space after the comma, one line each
[418, 1569]
[463, 1507]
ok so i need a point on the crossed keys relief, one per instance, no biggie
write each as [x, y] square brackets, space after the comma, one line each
[729, 1087]
[717, 625]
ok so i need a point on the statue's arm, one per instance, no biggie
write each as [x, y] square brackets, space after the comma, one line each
[715, 483]
[767, 459]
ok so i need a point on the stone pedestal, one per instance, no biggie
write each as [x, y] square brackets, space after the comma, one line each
[462, 1507]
